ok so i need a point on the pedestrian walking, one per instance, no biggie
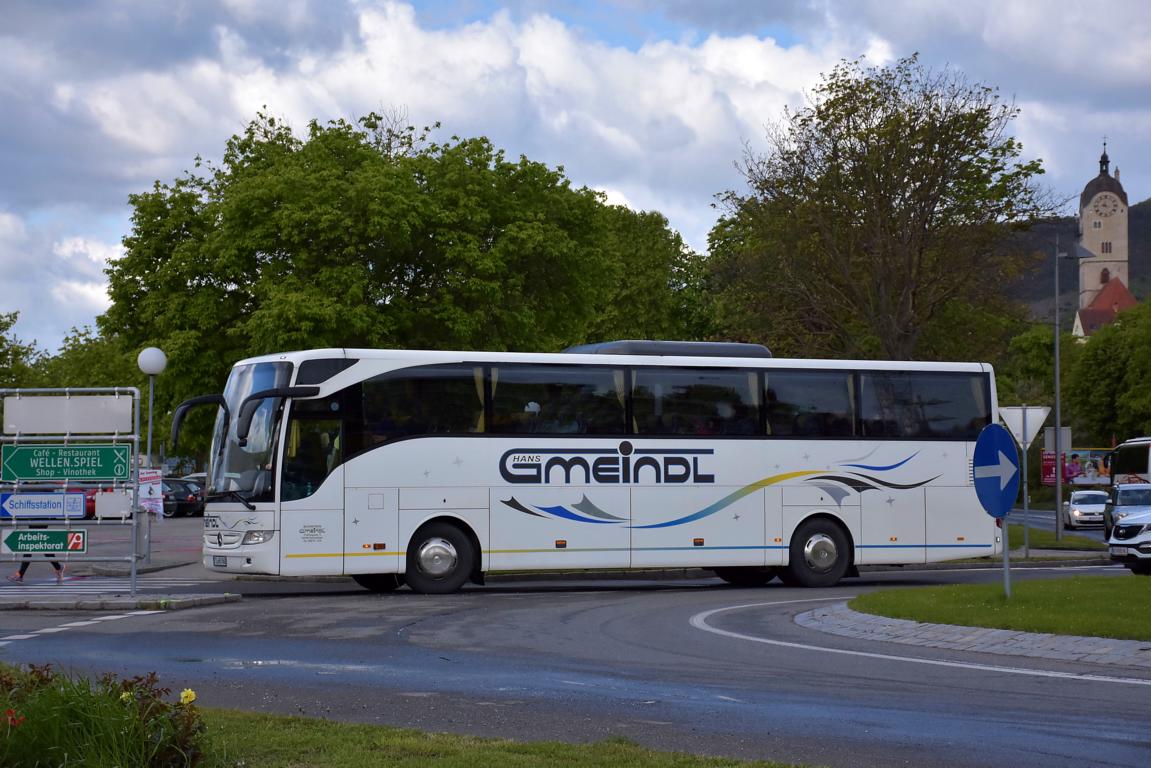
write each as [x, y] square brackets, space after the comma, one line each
[18, 577]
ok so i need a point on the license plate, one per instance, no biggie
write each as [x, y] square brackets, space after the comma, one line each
[1119, 551]
[219, 562]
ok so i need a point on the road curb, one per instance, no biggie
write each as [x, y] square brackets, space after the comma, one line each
[117, 602]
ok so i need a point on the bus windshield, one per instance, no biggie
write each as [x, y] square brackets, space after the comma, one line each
[248, 469]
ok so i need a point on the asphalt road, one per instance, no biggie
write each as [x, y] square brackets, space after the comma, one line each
[691, 665]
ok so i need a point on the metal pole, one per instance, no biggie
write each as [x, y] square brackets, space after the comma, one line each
[1026, 506]
[1006, 558]
[151, 388]
[1058, 412]
[148, 532]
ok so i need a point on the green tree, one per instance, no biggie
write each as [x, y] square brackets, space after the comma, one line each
[370, 235]
[879, 216]
[18, 360]
[1107, 382]
[86, 359]
[653, 282]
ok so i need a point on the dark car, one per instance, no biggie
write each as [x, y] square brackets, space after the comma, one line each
[182, 498]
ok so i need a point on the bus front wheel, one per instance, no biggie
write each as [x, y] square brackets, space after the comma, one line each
[819, 555]
[379, 582]
[440, 559]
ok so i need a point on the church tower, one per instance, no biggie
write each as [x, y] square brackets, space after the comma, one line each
[1103, 231]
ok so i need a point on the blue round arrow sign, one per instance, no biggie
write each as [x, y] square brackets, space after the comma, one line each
[995, 470]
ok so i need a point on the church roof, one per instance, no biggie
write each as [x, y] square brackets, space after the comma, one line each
[1112, 299]
[1104, 182]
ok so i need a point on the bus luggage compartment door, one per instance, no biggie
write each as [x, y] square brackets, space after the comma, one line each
[372, 531]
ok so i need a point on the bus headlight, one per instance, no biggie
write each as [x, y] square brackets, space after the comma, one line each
[257, 537]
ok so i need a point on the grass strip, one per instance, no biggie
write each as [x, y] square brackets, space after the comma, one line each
[1094, 606]
[1038, 538]
[252, 740]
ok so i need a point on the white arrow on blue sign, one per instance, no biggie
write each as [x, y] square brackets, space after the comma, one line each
[995, 470]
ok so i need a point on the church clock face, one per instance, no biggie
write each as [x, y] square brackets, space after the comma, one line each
[1105, 204]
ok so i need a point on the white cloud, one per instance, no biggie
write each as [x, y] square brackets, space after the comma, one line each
[656, 125]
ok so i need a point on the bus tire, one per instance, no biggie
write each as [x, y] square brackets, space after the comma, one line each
[748, 576]
[379, 582]
[819, 555]
[440, 559]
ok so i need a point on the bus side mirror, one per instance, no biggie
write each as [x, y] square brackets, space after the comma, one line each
[252, 402]
[183, 408]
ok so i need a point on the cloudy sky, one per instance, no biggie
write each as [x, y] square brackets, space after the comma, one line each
[650, 101]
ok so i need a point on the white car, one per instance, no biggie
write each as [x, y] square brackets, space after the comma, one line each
[1084, 508]
[1130, 542]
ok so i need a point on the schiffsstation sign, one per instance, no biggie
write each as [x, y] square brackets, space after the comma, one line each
[65, 462]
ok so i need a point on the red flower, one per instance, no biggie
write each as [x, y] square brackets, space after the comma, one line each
[13, 720]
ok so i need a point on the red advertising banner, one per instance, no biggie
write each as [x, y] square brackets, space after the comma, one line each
[1047, 474]
[1083, 466]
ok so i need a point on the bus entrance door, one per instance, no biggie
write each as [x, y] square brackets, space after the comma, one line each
[312, 529]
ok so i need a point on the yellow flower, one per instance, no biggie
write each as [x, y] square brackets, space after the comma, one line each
[187, 696]
[125, 697]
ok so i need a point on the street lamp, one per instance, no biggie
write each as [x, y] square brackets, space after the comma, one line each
[152, 362]
[1080, 253]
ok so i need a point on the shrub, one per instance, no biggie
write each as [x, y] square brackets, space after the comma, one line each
[52, 719]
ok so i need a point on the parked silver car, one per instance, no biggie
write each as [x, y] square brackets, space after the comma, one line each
[1126, 499]
[1084, 508]
[1130, 543]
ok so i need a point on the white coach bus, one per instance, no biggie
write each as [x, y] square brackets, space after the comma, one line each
[432, 468]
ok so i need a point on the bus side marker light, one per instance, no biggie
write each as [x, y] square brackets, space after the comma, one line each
[366, 546]
[697, 542]
[894, 538]
[961, 538]
[778, 540]
[561, 544]
[380, 545]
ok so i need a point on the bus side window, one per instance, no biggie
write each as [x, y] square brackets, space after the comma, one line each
[810, 403]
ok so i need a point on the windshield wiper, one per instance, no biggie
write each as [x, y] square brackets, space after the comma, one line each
[235, 495]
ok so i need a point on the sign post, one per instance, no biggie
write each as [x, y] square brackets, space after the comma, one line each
[995, 473]
[1024, 423]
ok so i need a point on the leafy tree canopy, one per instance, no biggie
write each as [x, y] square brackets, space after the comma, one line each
[18, 360]
[370, 235]
[1107, 382]
[879, 215]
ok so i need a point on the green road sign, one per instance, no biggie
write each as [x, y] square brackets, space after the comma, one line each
[46, 542]
[65, 462]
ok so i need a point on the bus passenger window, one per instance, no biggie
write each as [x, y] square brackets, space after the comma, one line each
[810, 403]
[702, 401]
[445, 399]
[557, 400]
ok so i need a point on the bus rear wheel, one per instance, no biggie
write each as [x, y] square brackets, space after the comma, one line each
[379, 582]
[440, 559]
[819, 555]
[746, 576]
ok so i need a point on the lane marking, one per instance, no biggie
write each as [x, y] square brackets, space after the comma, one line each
[699, 621]
[73, 625]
